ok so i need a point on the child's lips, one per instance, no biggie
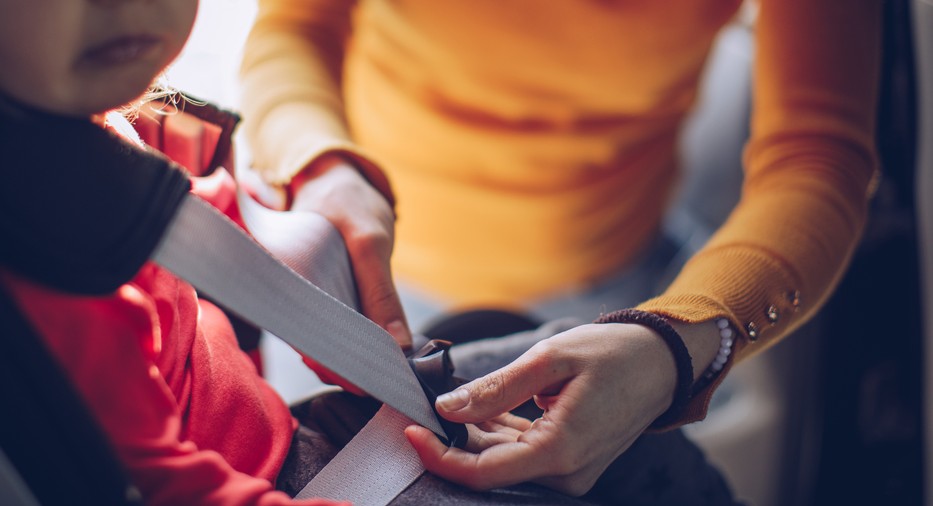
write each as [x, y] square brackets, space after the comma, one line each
[121, 50]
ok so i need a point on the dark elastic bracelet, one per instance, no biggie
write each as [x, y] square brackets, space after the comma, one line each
[675, 343]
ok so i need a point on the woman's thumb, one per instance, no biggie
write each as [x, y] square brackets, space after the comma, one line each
[499, 391]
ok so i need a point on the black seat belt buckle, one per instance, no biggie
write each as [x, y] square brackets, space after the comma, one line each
[435, 372]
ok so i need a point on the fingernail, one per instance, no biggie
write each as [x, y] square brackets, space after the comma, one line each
[400, 333]
[454, 400]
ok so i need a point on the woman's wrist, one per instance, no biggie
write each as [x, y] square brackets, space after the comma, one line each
[702, 341]
[298, 187]
[677, 346]
[346, 159]
[710, 344]
[700, 351]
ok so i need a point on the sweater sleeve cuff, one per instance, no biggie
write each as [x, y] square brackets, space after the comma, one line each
[306, 160]
[696, 310]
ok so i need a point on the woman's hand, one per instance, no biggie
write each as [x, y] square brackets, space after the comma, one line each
[336, 190]
[600, 386]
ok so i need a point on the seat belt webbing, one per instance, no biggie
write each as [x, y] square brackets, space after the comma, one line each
[208, 250]
[378, 463]
[374, 467]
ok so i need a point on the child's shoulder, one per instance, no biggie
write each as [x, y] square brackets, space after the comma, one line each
[194, 134]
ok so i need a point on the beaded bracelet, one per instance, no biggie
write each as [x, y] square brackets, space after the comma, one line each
[722, 356]
[682, 360]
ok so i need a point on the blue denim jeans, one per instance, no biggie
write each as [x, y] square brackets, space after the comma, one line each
[645, 278]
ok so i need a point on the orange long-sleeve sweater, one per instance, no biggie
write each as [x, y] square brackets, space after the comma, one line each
[531, 145]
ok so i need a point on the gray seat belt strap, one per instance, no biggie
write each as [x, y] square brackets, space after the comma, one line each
[205, 248]
[13, 488]
[209, 251]
[373, 468]
[379, 463]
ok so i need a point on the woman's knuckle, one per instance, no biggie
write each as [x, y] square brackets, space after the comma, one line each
[549, 357]
[542, 354]
[367, 242]
[492, 388]
[382, 293]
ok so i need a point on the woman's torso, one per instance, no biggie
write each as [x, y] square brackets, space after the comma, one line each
[531, 144]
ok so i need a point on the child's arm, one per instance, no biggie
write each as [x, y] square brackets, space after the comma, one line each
[109, 347]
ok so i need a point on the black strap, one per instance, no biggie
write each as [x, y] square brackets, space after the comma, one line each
[46, 431]
[435, 373]
[80, 209]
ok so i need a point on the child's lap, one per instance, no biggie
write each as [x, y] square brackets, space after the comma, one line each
[311, 450]
[658, 469]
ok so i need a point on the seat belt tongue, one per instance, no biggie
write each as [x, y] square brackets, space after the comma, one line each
[434, 370]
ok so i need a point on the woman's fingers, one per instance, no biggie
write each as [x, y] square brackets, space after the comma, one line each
[495, 466]
[599, 386]
[540, 370]
[506, 428]
[483, 438]
[506, 421]
[379, 300]
[335, 189]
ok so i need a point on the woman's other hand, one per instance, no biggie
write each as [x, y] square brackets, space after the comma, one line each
[600, 386]
[336, 190]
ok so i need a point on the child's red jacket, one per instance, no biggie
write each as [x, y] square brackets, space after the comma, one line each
[161, 371]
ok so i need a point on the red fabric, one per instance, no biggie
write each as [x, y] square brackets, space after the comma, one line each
[160, 369]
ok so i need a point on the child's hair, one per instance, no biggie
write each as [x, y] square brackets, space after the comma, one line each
[160, 91]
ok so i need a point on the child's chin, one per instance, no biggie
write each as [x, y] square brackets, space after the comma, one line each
[83, 106]
[114, 100]
[120, 97]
